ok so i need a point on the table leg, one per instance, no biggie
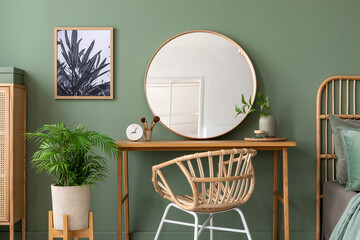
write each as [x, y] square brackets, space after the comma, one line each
[286, 194]
[126, 192]
[119, 196]
[275, 192]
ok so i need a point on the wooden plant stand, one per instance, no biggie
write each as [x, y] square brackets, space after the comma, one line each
[66, 234]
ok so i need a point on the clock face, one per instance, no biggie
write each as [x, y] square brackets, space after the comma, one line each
[134, 132]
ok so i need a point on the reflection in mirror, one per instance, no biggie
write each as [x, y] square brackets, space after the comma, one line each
[194, 81]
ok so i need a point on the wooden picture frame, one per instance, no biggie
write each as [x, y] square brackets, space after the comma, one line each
[83, 63]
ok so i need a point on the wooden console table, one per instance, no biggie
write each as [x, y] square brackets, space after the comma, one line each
[202, 145]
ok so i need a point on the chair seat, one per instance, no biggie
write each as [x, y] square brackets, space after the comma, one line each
[203, 208]
[187, 203]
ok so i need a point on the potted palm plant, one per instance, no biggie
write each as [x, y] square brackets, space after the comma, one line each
[68, 154]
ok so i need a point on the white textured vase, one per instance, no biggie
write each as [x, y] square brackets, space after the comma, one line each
[268, 124]
[73, 201]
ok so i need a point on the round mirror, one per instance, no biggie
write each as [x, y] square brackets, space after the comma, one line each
[194, 80]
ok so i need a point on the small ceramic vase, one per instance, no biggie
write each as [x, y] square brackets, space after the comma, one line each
[268, 124]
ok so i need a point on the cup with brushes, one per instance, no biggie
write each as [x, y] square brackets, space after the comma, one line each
[147, 130]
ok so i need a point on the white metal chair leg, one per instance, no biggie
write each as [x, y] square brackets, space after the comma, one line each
[196, 225]
[211, 225]
[204, 225]
[199, 228]
[244, 222]
[162, 220]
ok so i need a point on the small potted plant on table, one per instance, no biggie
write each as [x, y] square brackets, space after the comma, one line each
[68, 155]
[267, 122]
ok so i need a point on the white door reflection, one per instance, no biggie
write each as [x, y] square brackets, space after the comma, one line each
[178, 102]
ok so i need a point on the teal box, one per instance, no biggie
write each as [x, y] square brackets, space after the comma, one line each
[11, 75]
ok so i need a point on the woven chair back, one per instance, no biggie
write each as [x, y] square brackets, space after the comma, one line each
[219, 180]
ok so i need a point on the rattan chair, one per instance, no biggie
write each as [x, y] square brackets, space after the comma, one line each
[220, 181]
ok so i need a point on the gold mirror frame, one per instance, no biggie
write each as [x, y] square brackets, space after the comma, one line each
[241, 52]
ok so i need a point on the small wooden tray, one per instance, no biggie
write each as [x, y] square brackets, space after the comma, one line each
[265, 139]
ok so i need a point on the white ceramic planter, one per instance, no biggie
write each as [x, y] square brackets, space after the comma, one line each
[268, 124]
[73, 201]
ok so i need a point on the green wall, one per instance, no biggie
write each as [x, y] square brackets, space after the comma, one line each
[294, 46]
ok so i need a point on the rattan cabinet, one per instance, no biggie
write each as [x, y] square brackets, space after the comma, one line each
[12, 149]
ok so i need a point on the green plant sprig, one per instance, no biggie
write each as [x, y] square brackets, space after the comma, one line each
[245, 106]
[68, 154]
[263, 103]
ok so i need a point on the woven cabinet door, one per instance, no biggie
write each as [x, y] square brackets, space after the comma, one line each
[4, 153]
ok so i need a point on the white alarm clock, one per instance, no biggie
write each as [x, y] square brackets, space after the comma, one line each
[134, 132]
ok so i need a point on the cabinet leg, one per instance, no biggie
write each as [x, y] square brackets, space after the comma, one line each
[11, 233]
[23, 229]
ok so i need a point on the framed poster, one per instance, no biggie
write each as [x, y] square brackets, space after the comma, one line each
[83, 63]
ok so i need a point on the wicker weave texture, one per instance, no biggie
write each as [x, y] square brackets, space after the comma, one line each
[219, 180]
[3, 154]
